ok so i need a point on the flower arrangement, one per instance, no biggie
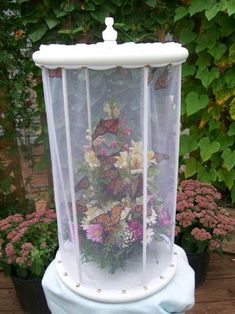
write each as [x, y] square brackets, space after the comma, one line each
[110, 194]
[200, 224]
[28, 243]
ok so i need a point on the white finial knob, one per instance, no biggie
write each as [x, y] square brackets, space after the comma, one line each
[109, 34]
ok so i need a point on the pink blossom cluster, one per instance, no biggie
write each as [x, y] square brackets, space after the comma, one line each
[198, 217]
[200, 234]
[21, 234]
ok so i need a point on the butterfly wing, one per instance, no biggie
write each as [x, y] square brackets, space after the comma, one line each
[163, 79]
[108, 160]
[81, 205]
[116, 187]
[110, 174]
[55, 73]
[111, 125]
[160, 157]
[83, 184]
[99, 130]
[111, 218]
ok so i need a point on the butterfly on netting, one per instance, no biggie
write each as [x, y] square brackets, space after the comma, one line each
[106, 126]
[116, 187]
[109, 173]
[83, 184]
[55, 73]
[110, 218]
[160, 157]
[81, 205]
[163, 79]
[108, 160]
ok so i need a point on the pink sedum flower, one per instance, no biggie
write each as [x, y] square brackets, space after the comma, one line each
[127, 131]
[95, 233]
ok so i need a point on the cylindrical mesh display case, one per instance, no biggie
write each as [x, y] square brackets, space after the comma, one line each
[113, 116]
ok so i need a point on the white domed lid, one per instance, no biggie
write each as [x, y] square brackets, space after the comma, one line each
[109, 54]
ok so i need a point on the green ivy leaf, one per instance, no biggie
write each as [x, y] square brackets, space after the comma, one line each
[229, 158]
[229, 77]
[38, 33]
[207, 76]
[213, 10]
[205, 175]
[203, 61]
[195, 102]
[51, 21]
[179, 13]
[187, 36]
[197, 6]
[191, 167]
[227, 177]
[207, 40]
[207, 148]
[231, 130]
[151, 3]
[71, 31]
[230, 7]
[188, 69]
[224, 140]
[232, 109]
[213, 125]
[233, 193]
[232, 52]
[218, 51]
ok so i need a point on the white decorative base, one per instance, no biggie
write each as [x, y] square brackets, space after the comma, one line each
[115, 294]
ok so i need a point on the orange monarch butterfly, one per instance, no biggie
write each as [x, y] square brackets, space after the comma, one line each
[81, 205]
[106, 126]
[55, 73]
[160, 157]
[108, 160]
[83, 184]
[110, 218]
[163, 79]
[116, 187]
[110, 174]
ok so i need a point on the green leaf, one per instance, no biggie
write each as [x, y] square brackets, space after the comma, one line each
[38, 33]
[188, 69]
[195, 102]
[225, 140]
[230, 7]
[218, 51]
[151, 3]
[232, 52]
[231, 130]
[229, 77]
[229, 158]
[203, 61]
[213, 125]
[233, 194]
[191, 167]
[207, 148]
[179, 13]
[184, 144]
[207, 76]
[51, 21]
[205, 175]
[213, 10]
[197, 6]
[187, 36]
[207, 40]
[227, 177]
[71, 31]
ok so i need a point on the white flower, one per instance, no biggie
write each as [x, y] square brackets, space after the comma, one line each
[152, 219]
[149, 235]
[91, 159]
[125, 213]
[122, 160]
[92, 212]
[98, 141]
[85, 223]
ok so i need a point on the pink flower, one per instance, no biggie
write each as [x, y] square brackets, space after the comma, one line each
[126, 147]
[103, 152]
[95, 232]
[136, 228]
[200, 234]
[9, 250]
[127, 131]
[27, 246]
[114, 144]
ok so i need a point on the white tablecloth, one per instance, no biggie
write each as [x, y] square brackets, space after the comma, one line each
[176, 297]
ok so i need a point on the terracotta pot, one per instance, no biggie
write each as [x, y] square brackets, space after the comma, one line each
[200, 263]
[30, 295]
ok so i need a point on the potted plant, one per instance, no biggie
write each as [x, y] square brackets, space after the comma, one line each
[27, 246]
[201, 226]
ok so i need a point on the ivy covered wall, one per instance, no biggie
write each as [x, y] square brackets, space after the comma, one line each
[205, 27]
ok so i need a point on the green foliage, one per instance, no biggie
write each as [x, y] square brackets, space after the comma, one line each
[205, 27]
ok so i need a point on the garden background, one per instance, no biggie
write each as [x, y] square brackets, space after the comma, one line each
[205, 27]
